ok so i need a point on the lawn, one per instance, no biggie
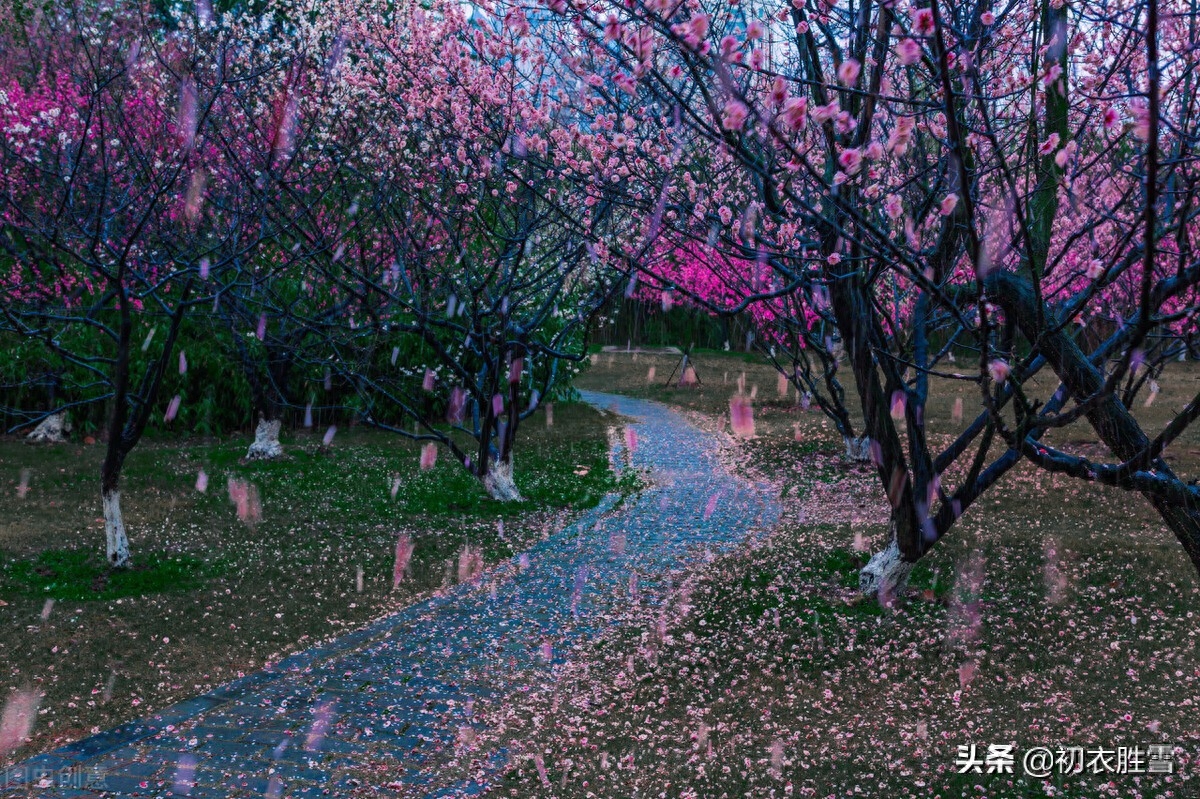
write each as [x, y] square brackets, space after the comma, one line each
[212, 597]
[1055, 614]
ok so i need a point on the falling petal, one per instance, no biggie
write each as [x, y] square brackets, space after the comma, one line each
[322, 720]
[172, 408]
[741, 416]
[185, 775]
[404, 552]
[329, 434]
[966, 673]
[470, 564]
[711, 506]
[956, 414]
[427, 383]
[428, 456]
[202, 481]
[16, 722]
[458, 402]
[308, 415]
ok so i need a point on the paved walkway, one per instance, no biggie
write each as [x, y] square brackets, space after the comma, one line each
[398, 694]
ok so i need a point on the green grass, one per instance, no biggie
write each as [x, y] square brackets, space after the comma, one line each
[81, 575]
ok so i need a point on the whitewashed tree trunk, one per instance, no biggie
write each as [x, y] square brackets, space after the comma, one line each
[52, 429]
[858, 449]
[499, 482]
[266, 444]
[886, 575]
[114, 531]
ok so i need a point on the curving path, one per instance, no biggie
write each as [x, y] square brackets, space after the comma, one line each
[392, 697]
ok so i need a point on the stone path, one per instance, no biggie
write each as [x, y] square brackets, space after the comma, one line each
[392, 699]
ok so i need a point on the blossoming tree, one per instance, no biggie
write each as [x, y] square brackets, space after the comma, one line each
[465, 265]
[124, 200]
[1013, 182]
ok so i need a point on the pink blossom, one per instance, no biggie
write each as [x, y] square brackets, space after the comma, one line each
[612, 28]
[848, 72]
[949, 203]
[998, 370]
[1049, 145]
[987, 18]
[850, 160]
[824, 113]
[734, 117]
[729, 47]
[795, 110]
[909, 52]
[893, 207]
[922, 21]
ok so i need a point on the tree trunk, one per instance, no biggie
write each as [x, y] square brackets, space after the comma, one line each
[499, 481]
[886, 575]
[117, 545]
[52, 430]
[266, 444]
[858, 450]
[1111, 420]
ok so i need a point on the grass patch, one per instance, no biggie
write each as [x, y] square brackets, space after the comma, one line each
[77, 574]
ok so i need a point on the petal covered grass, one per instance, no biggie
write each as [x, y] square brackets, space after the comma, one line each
[211, 596]
[1055, 614]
